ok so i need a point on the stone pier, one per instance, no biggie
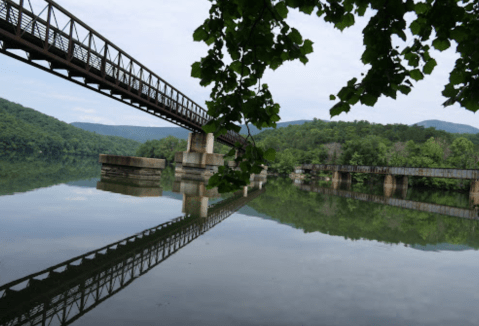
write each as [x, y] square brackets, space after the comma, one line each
[389, 185]
[393, 183]
[198, 162]
[137, 171]
[474, 193]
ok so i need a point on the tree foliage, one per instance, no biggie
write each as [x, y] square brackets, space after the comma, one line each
[256, 36]
[164, 148]
[364, 143]
[24, 130]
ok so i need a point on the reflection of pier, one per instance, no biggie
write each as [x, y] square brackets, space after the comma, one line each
[409, 204]
[63, 293]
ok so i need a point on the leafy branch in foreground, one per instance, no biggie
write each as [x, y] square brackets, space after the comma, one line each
[256, 36]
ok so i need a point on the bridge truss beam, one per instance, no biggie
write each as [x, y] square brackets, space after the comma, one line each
[94, 62]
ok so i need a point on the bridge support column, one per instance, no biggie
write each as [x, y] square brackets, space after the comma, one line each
[389, 185]
[402, 185]
[474, 193]
[198, 162]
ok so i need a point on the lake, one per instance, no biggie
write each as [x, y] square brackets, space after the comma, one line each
[280, 256]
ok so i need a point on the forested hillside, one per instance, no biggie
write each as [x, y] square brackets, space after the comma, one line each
[24, 130]
[363, 143]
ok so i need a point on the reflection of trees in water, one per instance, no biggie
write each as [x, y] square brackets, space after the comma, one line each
[63, 293]
[24, 173]
[354, 219]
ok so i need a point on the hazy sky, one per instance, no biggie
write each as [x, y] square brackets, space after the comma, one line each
[158, 33]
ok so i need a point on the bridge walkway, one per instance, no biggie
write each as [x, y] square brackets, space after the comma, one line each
[94, 62]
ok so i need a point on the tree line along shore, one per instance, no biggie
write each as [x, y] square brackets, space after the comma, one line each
[26, 131]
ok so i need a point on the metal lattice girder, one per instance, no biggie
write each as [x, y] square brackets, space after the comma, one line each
[67, 291]
[86, 54]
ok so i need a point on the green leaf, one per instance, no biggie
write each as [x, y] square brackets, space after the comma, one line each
[456, 77]
[236, 66]
[459, 34]
[339, 108]
[415, 27]
[332, 97]
[235, 55]
[449, 91]
[307, 47]
[306, 9]
[295, 36]
[210, 127]
[429, 66]
[421, 8]
[281, 9]
[200, 34]
[270, 154]
[369, 99]
[196, 70]
[416, 74]
[346, 21]
[404, 89]
[441, 44]
[210, 40]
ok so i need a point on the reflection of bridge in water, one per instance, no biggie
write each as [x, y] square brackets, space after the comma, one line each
[61, 294]
[386, 200]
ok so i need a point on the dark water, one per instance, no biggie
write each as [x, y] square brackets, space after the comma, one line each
[285, 257]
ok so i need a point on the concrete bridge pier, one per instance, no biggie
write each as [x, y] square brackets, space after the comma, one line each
[198, 162]
[402, 183]
[130, 170]
[389, 185]
[393, 183]
[474, 193]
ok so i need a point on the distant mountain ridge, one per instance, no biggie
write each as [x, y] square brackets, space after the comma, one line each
[142, 134]
[455, 128]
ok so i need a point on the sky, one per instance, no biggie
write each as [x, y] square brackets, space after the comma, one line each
[158, 33]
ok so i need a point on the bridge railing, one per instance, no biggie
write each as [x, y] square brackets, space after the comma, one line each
[471, 174]
[86, 53]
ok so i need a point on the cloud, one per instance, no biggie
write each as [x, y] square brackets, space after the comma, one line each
[84, 110]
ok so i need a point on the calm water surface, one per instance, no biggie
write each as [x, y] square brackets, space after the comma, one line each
[288, 257]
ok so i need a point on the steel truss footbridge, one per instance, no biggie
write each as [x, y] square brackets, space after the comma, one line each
[92, 61]
[61, 294]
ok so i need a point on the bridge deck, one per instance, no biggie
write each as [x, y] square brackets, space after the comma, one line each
[416, 172]
[103, 66]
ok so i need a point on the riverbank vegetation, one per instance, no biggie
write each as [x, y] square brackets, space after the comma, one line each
[364, 143]
[26, 131]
